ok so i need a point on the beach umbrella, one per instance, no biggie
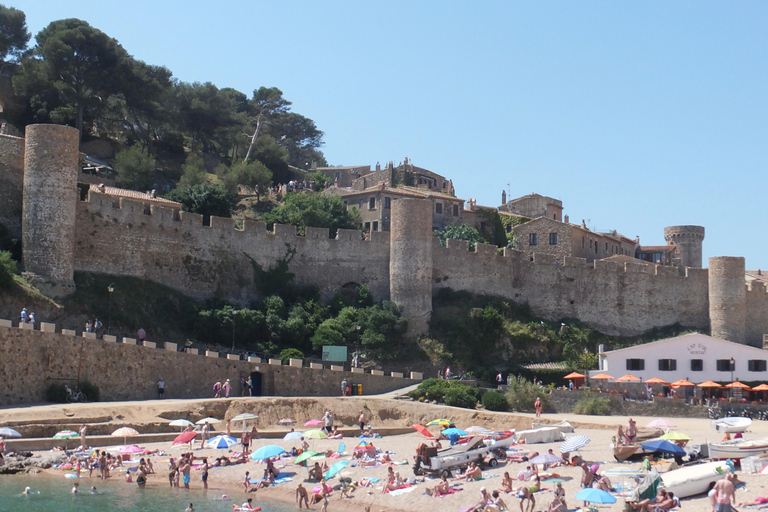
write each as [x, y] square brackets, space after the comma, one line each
[267, 452]
[335, 469]
[761, 387]
[656, 380]
[314, 423]
[423, 430]
[184, 438]
[304, 456]
[131, 448]
[65, 434]
[682, 382]
[181, 423]
[474, 428]
[628, 378]
[293, 436]
[124, 432]
[709, 384]
[545, 458]
[661, 423]
[315, 434]
[207, 420]
[286, 421]
[449, 431]
[602, 376]
[574, 375]
[574, 443]
[245, 416]
[441, 422]
[8, 432]
[663, 446]
[592, 495]
[675, 436]
[737, 384]
[220, 442]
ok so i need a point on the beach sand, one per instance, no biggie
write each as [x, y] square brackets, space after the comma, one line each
[229, 479]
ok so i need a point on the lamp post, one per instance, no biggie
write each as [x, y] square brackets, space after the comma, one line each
[234, 314]
[110, 289]
[733, 365]
[357, 345]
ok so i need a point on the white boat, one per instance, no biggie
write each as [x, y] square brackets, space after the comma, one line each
[692, 480]
[540, 435]
[731, 425]
[737, 448]
[564, 426]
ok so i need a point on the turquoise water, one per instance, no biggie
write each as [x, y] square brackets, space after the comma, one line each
[53, 495]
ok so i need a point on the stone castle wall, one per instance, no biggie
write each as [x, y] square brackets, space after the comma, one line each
[32, 360]
[12, 178]
[174, 248]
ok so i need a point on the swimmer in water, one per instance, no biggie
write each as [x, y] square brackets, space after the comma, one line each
[27, 491]
[190, 508]
[93, 489]
[74, 489]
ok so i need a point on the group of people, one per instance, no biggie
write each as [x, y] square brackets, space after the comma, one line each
[628, 436]
[27, 317]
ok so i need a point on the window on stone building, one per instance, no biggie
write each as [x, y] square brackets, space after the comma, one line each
[533, 239]
[337, 175]
[367, 226]
[606, 247]
[387, 202]
[667, 365]
[636, 364]
[583, 242]
[482, 226]
[724, 365]
[375, 225]
[438, 208]
[757, 365]
[362, 201]
[697, 365]
[553, 239]
[345, 203]
[372, 203]
[444, 184]
[455, 210]
[595, 246]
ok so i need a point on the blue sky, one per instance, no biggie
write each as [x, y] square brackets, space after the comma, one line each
[636, 115]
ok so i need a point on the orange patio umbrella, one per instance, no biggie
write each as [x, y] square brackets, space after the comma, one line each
[761, 387]
[627, 378]
[602, 376]
[737, 384]
[709, 384]
[574, 375]
[656, 380]
[682, 382]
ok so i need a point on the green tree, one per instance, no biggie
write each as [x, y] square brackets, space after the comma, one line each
[206, 199]
[146, 99]
[193, 171]
[252, 175]
[267, 102]
[313, 210]
[463, 232]
[206, 113]
[134, 168]
[7, 269]
[81, 62]
[14, 35]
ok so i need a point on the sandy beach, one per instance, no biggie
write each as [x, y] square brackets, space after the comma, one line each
[599, 429]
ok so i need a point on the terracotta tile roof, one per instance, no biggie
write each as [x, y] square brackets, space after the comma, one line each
[400, 191]
[752, 275]
[546, 366]
[133, 194]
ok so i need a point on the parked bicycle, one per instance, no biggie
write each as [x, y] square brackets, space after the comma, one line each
[75, 396]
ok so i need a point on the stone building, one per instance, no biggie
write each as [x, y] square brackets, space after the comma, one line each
[533, 206]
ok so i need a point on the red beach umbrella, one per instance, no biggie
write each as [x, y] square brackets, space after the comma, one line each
[184, 438]
[423, 430]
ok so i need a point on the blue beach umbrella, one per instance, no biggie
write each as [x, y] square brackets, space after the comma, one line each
[220, 442]
[663, 446]
[574, 443]
[335, 469]
[447, 432]
[592, 495]
[293, 436]
[267, 452]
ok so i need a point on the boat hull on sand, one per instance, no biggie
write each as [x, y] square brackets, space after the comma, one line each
[737, 448]
[692, 480]
[731, 425]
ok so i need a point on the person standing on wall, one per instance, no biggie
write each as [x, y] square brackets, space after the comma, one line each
[344, 387]
[161, 388]
[227, 389]
[499, 380]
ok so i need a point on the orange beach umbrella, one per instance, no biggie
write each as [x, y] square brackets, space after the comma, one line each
[709, 384]
[682, 382]
[628, 378]
[737, 384]
[574, 375]
[656, 380]
[761, 387]
[602, 376]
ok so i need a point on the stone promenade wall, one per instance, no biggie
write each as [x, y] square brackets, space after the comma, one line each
[31, 360]
[11, 182]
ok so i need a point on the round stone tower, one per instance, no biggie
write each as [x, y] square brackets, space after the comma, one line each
[51, 160]
[727, 298]
[410, 261]
[688, 240]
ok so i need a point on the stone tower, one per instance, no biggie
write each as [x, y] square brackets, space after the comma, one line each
[410, 261]
[727, 298]
[51, 159]
[688, 240]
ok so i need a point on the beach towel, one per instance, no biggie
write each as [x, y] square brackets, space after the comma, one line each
[402, 490]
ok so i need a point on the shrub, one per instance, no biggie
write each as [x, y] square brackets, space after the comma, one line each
[290, 353]
[7, 269]
[91, 390]
[134, 168]
[522, 394]
[56, 393]
[461, 396]
[593, 405]
[430, 389]
[495, 401]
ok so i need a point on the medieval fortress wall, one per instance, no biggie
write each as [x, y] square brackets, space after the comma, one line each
[128, 237]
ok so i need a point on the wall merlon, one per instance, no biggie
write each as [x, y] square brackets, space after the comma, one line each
[254, 226]
[756, 287]
[317, 233]
[223, 224]
[486, 250]
[569, 261]
[662, 270]
[163, 214]
[638, 268]
[606, 265]
[284, 231]
[380, 237]
[131, 206]
[457, 245]
[698, 273]
[544, 259]
[348, 235]
[189, 219]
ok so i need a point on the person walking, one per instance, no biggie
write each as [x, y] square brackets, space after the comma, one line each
[344, 388]
[161, 388]
[217, 389]
[361, 421]
[227, 388]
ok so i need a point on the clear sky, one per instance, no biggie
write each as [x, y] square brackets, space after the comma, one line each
[637, 115]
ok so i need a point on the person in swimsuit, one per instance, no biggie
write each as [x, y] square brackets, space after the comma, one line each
[141, 479]
[301, 495]
[205, 473]
[631, 431]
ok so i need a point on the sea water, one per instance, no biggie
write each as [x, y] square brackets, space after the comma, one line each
[54, 495]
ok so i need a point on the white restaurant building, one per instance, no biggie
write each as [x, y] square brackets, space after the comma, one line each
[694, 357]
